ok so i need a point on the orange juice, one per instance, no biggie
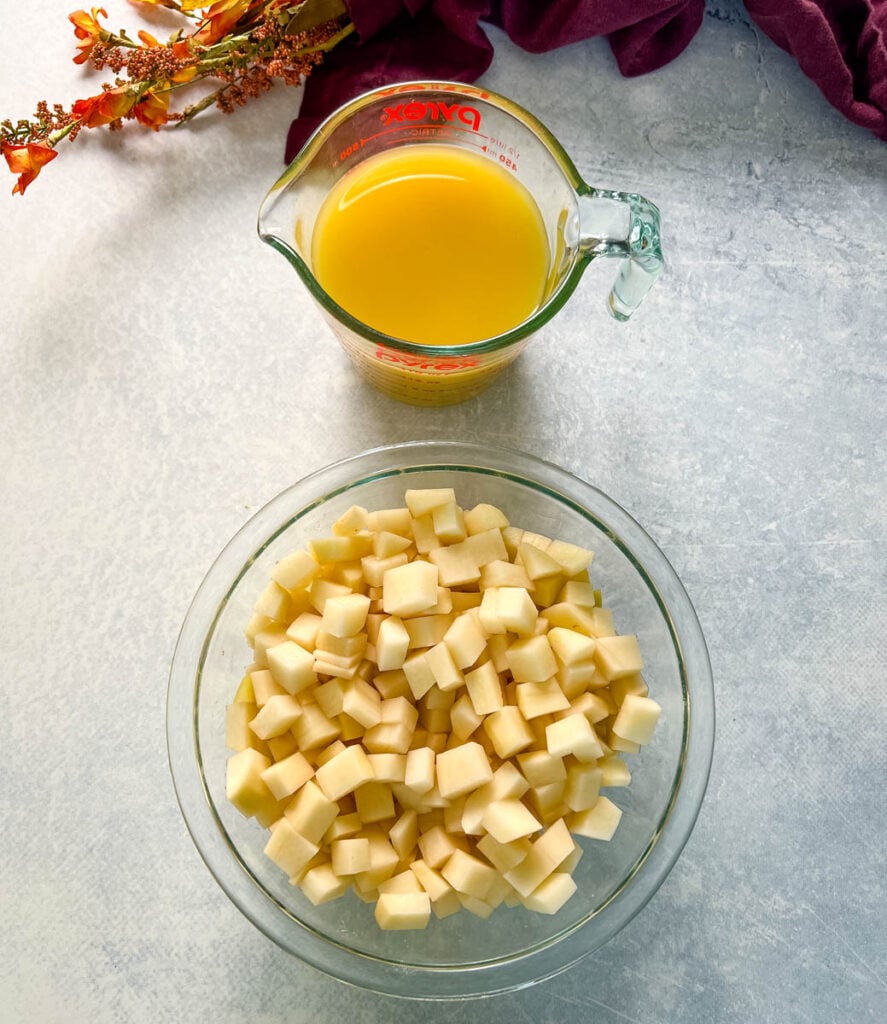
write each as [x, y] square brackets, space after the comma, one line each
[432, 244]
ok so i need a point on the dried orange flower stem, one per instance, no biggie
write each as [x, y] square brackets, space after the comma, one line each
[247, 45]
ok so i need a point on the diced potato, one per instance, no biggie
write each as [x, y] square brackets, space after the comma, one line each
[573, 558]
[531, 660]
[583, 786]
[313, 729]
[637, 718]
[289, 848]
[462, 769]
[508, 731]
[244, 786]
[535, 699]
[409, 589]
[284, 777]
[507, 820]
[419, 773]
[311, 813]
[404, 834]
[345, 772]
[277, 715]
[536, 562]
[396, 911]
[274, 603]
[375, 802]
[422, 501]
[552, 894]
[449, 523]
[516, 610]
[345, 616]
[484, 517]
[484, 689]
[465, 639]
[618, 656]
[431, 881]
[500, 573]
[573, 735]
[363, 703]
[296, 570]
[546, 854]
[598, 822]
[468, 874]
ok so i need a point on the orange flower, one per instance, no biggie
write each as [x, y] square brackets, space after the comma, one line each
[26, 161]
[220, 19]
[153, 109]
[106, 107]
[88, 31]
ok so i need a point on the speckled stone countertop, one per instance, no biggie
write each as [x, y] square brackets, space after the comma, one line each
[164, 375]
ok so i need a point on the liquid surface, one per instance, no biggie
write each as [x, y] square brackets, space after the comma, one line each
[432, 244]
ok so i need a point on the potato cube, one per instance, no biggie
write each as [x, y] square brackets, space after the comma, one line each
[409, 589]
[303, 630]
[468, 874]
[321, 884]
[536, 562]
[345, 772]
[583, 786]
[291, 666]
[449, 523]
[570, 646]
[422, 501]
[500, 573]
[392, 643]
[244, 785]
[456, 566]
[419, 674]
[345, 616]
[405, 881]
[374, 568]
[486, 547]
[516, 610]
[531, 660]
[446, 673]
[540, 768]
[503, 856]
[277, 716]
[573, 735]
[463, 718]
[465, 640]
[431, 881]
[341, 549]
[462, 769]
[419, 773]
[637, 718]
[388, 767]
[436, 846]
[484, 689]
[508, 731]
[313, 729]
[427, 630]
[344, 826]
[296, 570]
[394, 520]
[618, 656]
[274, 603]
[289, 848]
[238, 735]
[484, 517]
[573, 558]
[311, 813]
[614, 772]
[403, 911]
[363, 703]
[552, 894]
[375, 802]
[286, 776]
[535, 699]
[507, 820]
[404, 834]
[546, 854]
[391, 684]
[598, 822]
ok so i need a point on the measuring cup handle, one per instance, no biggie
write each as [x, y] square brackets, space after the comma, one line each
[624, 225]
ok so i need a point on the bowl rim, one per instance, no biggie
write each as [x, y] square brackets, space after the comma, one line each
[561, 950]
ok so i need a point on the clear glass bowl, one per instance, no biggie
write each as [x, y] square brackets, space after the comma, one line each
[461, 956]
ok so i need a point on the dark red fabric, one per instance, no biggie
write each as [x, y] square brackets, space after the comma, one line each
[840, 44]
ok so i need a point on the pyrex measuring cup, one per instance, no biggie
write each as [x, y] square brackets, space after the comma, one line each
[581, 222]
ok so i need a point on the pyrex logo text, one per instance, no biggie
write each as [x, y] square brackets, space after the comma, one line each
[433, 110]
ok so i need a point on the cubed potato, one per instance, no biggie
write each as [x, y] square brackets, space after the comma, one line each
[393, 520]
[455, 565]
[274, 603]
[436, 846]
[244, 786]
[507, 820]
[291, 666]
[598, 822]
[404, 834]
[535, 699]
[363, 703]
[637, 718]
[375, 802]
[311, 812]
[516, 610]
[419, 674]
[465, 639]
[468, 874]
[427, 630]
[570, 646]
[431, 881]
[320, 884]
[238, 735]
[353, 520]
[531, 660]
[374, 567]
[583, 786]
[345, 616]
[313, 729]
[484, 689]
[388, 767]
[403, 911]
[614, 772]
[296, 570]
[573, 735]
[286, 776]
[573, 558]
[484, 517]
[537, 563]
[449, 523]
[409, 589]
[277, 716]
[552, 894]
[419, 772]
[486, 547]
[500, 573]
[546, 854]
[462, 769]
[289, 848]
[421, 501]
[345, 772]
[508, 731]
[503, 856]
[618, 656]
[540, 768]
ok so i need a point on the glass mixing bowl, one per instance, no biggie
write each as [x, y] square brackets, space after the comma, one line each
[463, 955]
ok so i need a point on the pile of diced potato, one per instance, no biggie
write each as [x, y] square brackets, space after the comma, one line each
[435, 702]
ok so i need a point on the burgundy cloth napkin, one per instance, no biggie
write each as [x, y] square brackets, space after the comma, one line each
[840, 44]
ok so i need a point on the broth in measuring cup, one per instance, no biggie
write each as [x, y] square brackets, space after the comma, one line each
[433, 244]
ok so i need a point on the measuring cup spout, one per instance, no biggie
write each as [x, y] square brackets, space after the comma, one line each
[624, 225]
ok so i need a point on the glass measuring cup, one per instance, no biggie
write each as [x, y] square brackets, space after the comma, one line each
[581, 223]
